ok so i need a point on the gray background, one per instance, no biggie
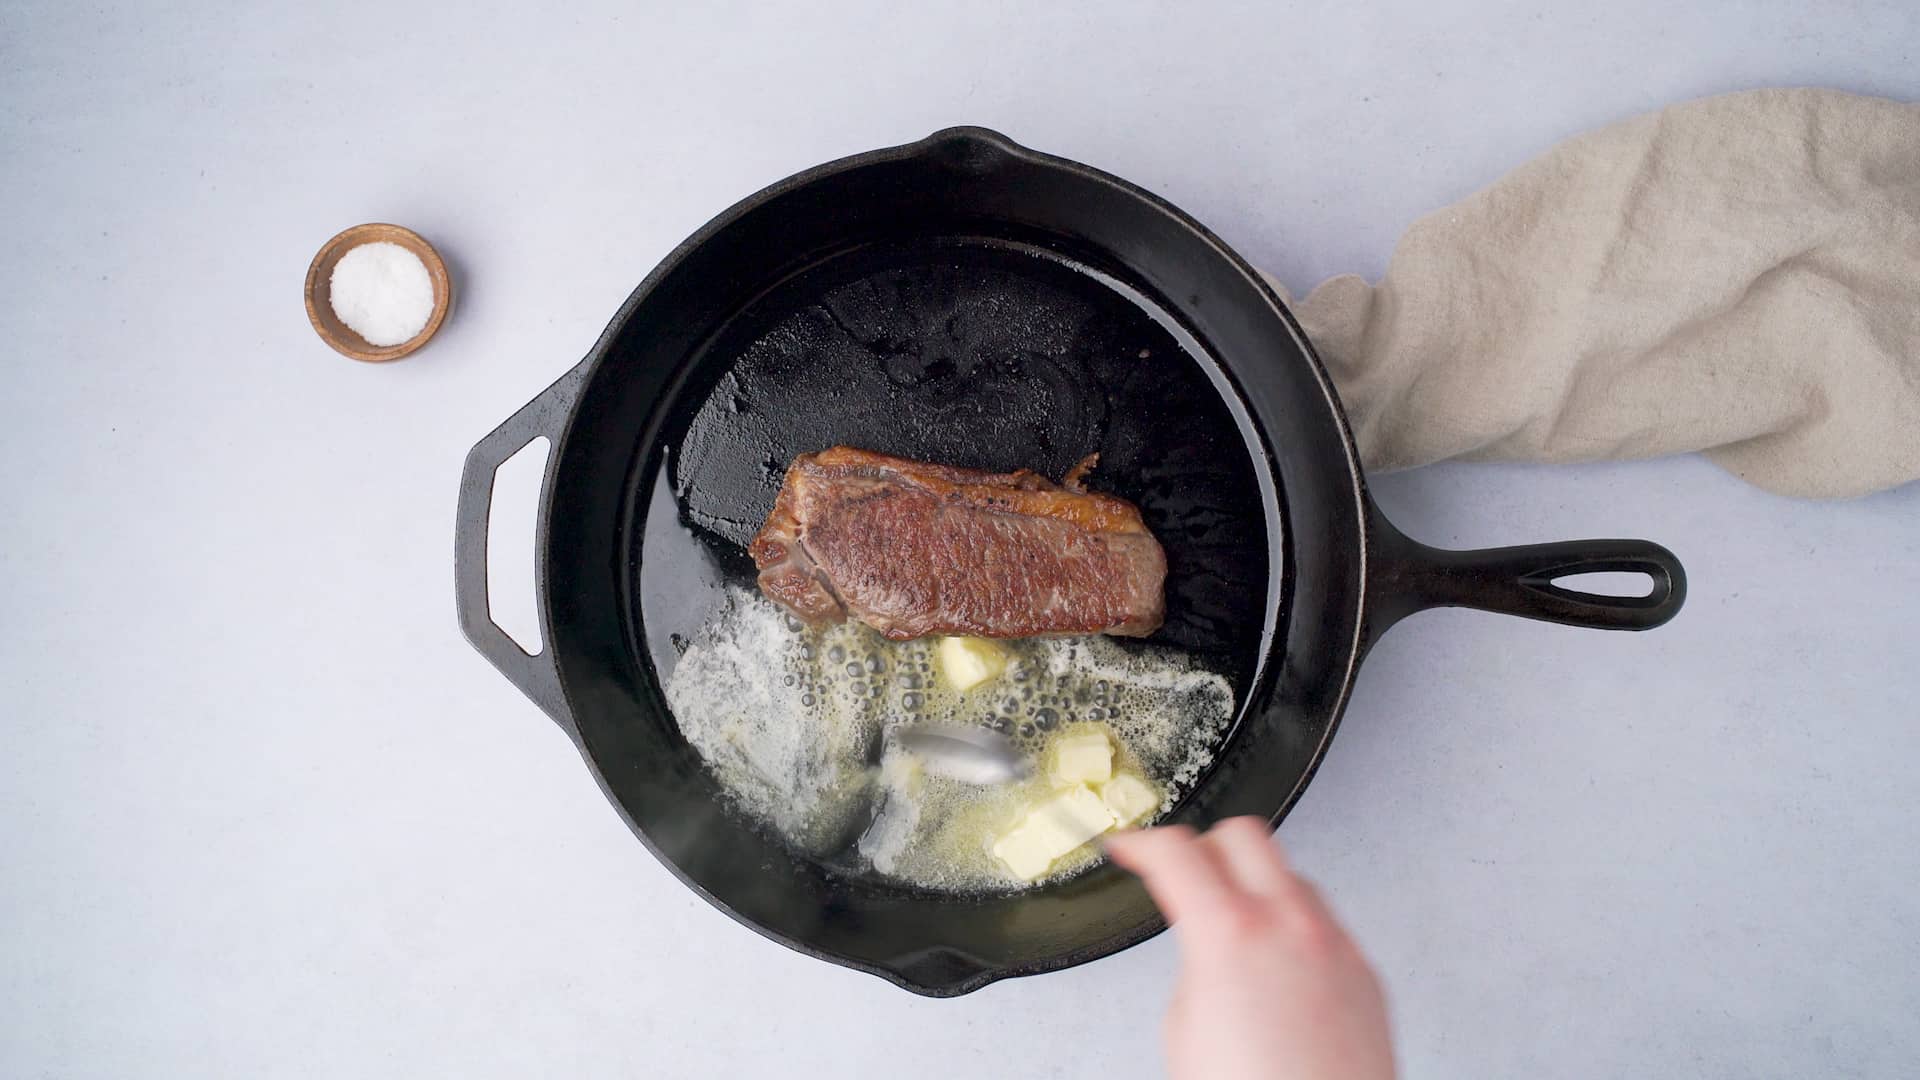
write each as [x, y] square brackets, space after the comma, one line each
[263, 811]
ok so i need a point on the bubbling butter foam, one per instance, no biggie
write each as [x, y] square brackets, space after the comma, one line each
[794, 723]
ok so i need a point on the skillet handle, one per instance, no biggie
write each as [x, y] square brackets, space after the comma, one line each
[1407, 576]
[534, 673]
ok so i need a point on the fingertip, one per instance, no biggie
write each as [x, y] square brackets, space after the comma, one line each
[1245, 823]
[1246, 848]
[1132, 836]
[1253, 827]
[1126, 846]
[1177, 868]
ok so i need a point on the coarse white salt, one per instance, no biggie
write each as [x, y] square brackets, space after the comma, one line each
[382, 292]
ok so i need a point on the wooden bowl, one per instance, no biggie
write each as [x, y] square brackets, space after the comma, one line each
[320, 292]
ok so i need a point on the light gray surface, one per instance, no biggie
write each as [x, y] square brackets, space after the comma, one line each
[263, 812]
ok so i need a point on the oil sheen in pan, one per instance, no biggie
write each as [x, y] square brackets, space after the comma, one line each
[985, 354]
[980, 353]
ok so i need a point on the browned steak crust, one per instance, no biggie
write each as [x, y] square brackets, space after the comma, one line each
[912, 549]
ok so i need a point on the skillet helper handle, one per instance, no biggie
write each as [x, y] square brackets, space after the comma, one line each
[1409, 576]
[534, 673]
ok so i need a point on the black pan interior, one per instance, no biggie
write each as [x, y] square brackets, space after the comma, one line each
[976, 352]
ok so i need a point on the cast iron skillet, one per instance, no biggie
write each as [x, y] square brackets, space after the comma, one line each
[966, 300]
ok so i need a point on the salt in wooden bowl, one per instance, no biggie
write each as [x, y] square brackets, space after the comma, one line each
[320, 291]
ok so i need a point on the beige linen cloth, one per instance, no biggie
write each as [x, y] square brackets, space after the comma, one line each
[1738, 275]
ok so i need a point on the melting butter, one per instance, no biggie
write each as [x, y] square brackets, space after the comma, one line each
[793, 722]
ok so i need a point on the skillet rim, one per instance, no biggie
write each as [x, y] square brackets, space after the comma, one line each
[961, 141]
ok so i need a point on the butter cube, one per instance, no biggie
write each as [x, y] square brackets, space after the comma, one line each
[966, 662]
[1024, 852]
[1129, 798]
[1071, 818]
[1082, 757]
[1052, 829]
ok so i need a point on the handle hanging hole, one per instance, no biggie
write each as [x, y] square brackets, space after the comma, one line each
[1623, 585]
[512, 521]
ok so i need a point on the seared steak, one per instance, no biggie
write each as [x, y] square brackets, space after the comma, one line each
[912, 549]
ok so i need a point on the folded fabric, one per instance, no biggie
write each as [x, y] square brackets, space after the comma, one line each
[1738, 275]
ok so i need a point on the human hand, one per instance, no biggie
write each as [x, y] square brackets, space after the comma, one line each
[1270, 986]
